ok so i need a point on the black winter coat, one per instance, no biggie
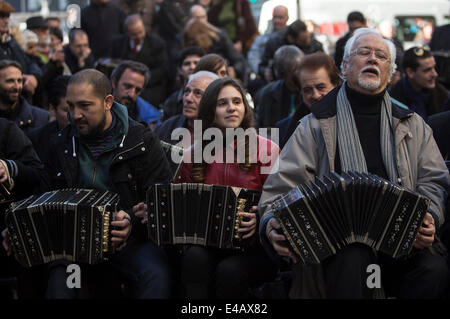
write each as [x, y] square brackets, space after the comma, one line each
[138, 164]
[23, 163]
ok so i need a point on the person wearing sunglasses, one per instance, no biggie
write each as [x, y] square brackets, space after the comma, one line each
[419, 89]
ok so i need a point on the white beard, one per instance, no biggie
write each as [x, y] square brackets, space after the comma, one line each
[368, 84]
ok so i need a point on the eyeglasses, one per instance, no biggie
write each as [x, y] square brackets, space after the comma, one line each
[420, 50]
[365, 52]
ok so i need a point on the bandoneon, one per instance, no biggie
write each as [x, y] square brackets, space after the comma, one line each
[321, 217]
[200, 214]
[69, 224]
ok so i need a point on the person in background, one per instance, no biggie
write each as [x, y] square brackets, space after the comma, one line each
[316, 76]
[280, 17]
[10, 50]
[281, 98]
[53, 22]
[193, 92]
[235, 17]
[213, 63]
[355, 20]
[59, 109]
[295, 34]
[419, 89]
[149, 49]
[128, 80]
[12, 105]
[77, 54]
[200, 32]
[38, 26]
[102, 21]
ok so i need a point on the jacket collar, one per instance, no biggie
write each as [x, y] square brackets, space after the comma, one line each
[326, 107]
[25, 116]
[278, 90]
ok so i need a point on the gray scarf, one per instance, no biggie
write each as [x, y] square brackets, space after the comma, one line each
[350, 150]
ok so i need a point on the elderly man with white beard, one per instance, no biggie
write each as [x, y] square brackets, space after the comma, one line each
[357, 127]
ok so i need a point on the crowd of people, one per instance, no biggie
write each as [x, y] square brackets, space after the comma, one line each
[93, 112]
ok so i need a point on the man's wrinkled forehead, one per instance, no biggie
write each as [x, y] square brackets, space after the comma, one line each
[371, 41]
[199, 83]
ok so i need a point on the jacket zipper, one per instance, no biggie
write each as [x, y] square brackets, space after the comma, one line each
[95, 174]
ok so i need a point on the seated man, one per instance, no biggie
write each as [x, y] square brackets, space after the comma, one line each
[193, 92]
[357, 127]
[128, 80]
[419, 89]
[109, 151]
[187, 62]
[316, 76]
[78, 55]
[10, 50]
[281, 98]
[12, 105]
[41, 136]
[20, 173]
[149, 49]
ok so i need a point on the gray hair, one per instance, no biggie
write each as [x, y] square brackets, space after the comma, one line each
[286, 59]
[201, 74]
[349, 46]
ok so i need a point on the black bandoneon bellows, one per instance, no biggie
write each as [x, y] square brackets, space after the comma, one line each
[321, 217]
[201, 214]
[69, 224]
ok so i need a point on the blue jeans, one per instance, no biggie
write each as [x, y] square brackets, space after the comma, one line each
[142, 265]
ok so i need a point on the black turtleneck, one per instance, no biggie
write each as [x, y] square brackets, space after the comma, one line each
[366, 111]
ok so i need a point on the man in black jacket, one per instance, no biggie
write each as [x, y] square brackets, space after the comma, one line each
[148, 49]
[296, 34]
[187, 62]
[104, 149]
[12, 105]
[10, 49]
[77, 53]
[355, 20]
[419, 89]
[102, 21]
[40, 137]
[193, 93]
[20, 173]
[281, 98]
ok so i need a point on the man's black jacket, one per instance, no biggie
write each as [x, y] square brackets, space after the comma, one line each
[139, 163]
[23, 163]
[154, 55]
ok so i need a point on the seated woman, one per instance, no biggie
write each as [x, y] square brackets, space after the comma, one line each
[209, 272]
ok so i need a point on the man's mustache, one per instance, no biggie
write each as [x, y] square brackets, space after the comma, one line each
[371, 69]
[81, 122]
